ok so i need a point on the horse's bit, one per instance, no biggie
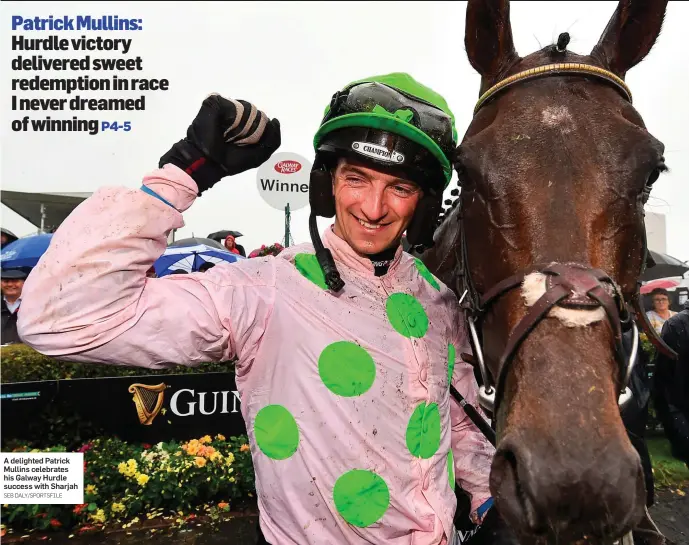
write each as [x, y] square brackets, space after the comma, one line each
[568, 285]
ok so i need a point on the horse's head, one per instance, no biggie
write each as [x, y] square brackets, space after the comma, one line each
[555, 168]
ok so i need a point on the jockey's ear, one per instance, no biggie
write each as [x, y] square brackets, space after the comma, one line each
[630, 34]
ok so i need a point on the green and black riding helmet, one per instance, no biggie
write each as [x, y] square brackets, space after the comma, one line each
[397, 125]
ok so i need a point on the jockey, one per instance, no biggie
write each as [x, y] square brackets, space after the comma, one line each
[345, 348]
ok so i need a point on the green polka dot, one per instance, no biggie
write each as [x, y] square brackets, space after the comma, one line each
[361, 497]
[406, 315]
[423, 431]
[346, 369]
[423, 271]
[276, 432]
[451, 468]
[308, 266]
[450, 362]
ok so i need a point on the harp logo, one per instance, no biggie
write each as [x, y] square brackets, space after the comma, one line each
[148, 401]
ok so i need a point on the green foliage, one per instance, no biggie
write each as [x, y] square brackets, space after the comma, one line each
[668, 471]
[21, 363]
[647, 347]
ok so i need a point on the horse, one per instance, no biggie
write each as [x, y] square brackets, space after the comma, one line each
[544, 247]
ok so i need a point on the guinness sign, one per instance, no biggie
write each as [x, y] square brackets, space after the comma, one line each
[191, 399]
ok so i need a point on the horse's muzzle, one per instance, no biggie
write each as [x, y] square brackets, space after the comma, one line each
[600, 496]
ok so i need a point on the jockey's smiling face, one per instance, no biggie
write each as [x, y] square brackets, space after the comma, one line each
[372, 208]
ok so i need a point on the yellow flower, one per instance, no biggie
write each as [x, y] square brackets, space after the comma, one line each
[205, 439]
[244, 448]
[200, 462]
[215, 457]
[230, 458]
[91, 489]
[117, 507]
[220, 437]
[192, 448]
[98, 516]
[231, 479]
[126, 470]
[142, 479]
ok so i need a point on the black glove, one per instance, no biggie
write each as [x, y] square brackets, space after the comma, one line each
[226, 137]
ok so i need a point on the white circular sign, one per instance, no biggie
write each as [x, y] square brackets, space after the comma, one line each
[283, 179]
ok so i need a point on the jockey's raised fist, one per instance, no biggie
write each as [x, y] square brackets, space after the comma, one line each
[226, 137]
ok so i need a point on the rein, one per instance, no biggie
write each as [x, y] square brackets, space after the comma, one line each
[568, 285]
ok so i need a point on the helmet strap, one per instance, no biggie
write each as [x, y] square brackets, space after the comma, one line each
[324, 257]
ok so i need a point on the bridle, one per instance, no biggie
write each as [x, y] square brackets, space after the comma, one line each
[567, 285]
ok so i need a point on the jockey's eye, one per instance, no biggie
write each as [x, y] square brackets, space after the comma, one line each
[354, 180]
[403, 190]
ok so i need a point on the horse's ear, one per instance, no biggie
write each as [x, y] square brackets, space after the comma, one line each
[488, 37]
[630, 34]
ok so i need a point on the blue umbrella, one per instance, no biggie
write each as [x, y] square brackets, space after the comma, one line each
[25, 252]
[190, 258]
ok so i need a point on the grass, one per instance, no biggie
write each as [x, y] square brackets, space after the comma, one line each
[668, 471]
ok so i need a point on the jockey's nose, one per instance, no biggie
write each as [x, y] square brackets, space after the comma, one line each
[602, 494]
[374, 206]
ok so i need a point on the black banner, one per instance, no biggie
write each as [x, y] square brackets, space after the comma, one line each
[147, 409]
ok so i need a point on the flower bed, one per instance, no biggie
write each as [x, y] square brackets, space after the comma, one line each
[125, 484]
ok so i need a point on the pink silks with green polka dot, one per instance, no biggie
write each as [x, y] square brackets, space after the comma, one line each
[354, 436]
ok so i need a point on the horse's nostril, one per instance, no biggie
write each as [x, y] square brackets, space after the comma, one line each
[507, 472]
[545, 492]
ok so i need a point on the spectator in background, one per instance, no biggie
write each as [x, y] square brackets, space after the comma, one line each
[12, 284]
[6, 237]
[672, 384]
[661, 309]
[205, 266]
[231, 245]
